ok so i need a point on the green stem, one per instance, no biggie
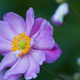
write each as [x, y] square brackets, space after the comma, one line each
[51, 74]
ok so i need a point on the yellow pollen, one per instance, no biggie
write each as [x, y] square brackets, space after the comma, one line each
[22, 43]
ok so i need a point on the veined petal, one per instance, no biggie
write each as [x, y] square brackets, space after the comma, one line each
[6, 31]
[35, 28]
[60, 14]
[16, 21]
[14, 77]
[44, 42]
[19, 67]
[41, 26]
[38, 55]
[29, 20]
[43, 37]
[5, 47]
[7, 61]
[33, 68]
[3, 40]
[46, 28]
[2, 74]
[52, 55]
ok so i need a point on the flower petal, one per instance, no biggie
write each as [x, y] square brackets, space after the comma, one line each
[16, 21]
[52, 55]
[3, 40]
[29, 19]
[60, 14]
[5, 31]
[43, 37]
[2, 74]
[41, 26]
[5, 47]
[44, 42]
[31, 42]
[7, 61]
[19, 67]
[36, 26]
[14, 77]
[33, 68]
[38, 55]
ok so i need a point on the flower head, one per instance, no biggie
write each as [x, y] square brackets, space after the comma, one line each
[25, 45]
[60, 14]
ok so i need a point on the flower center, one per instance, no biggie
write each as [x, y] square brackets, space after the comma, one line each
[22, 43]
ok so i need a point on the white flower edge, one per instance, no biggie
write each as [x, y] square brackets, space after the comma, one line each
[60, 13]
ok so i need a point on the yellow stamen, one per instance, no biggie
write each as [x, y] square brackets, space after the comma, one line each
[22, 43]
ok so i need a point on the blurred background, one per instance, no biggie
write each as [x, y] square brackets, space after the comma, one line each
[67, 36]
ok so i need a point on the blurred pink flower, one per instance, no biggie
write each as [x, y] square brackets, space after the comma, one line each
[25, 45]
[62, 11]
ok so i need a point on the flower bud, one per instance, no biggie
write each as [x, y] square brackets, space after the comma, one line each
[60, 14]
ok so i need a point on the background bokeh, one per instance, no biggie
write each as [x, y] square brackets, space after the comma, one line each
[67, 36]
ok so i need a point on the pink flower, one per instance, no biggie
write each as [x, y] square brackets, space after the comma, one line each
[25, 45]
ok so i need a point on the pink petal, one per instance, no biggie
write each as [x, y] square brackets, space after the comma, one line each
[29, 19]
[5, 31]
[36, 27]
[3, 40]
[42, 26]
[52, 55]
[38, 55]
[44, 42]
[5, 47]
[19, 67]
[14, 77]
[2, 74]
[43, 37]
[16, 21]
[33, 68]
[7, 61]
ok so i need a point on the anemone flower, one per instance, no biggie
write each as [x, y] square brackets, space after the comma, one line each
[26, 45]
[59, 16]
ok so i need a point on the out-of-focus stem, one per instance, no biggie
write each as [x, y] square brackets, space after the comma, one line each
[51, 74]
